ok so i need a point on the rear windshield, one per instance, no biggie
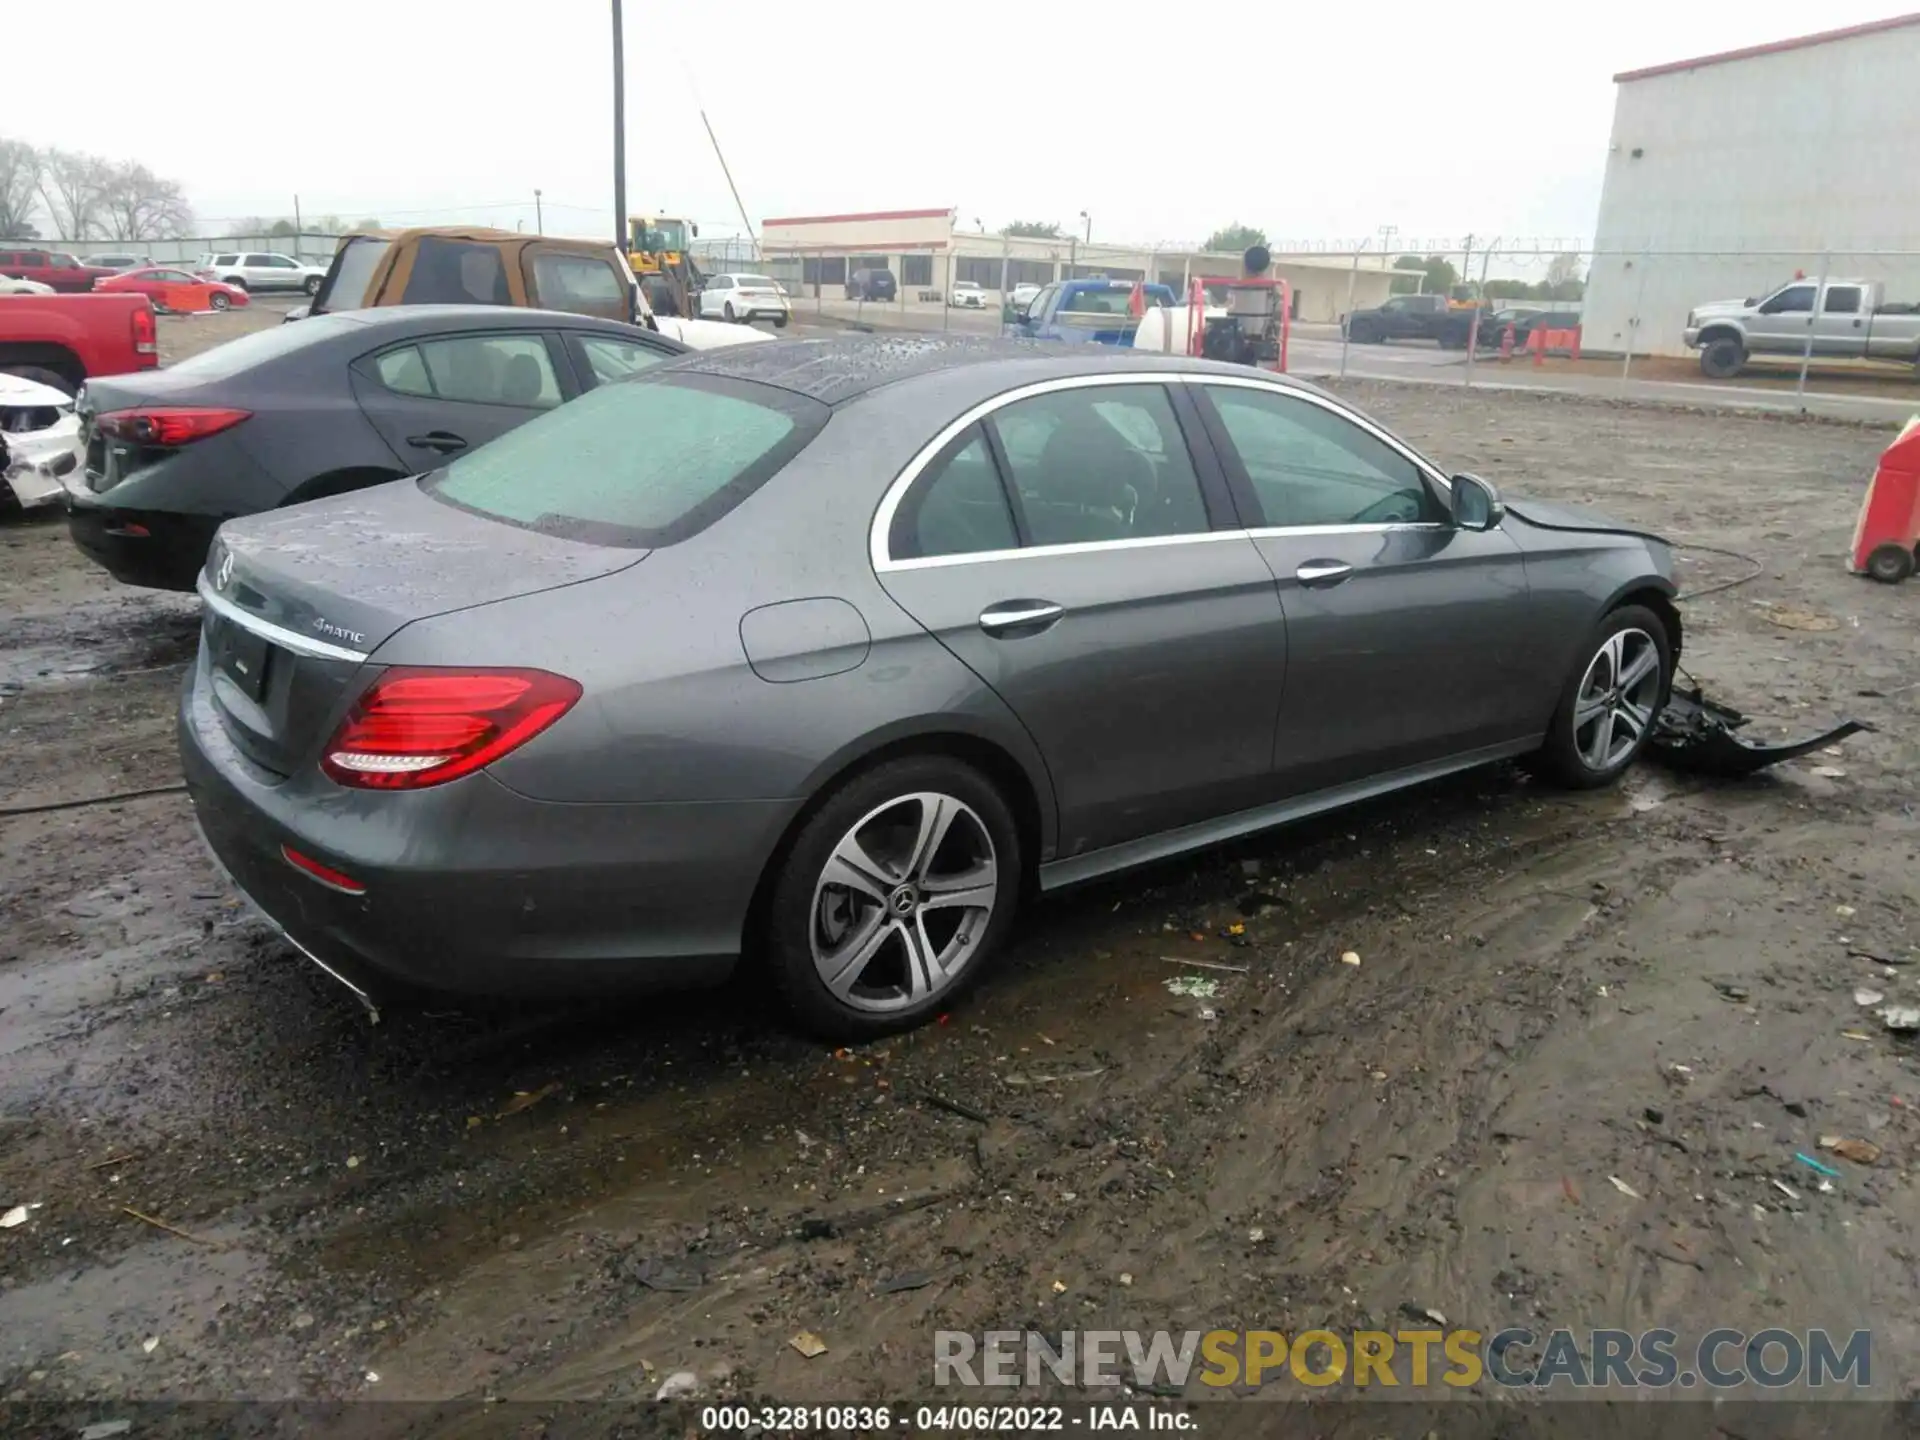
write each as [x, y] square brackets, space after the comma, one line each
[644, 462]
[261, 346]
[352, 270]
[753, 282]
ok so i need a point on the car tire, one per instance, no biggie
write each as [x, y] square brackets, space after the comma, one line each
[239, 282]
[218, 301]
[872, 920]
[1598, 729]
[311, 285]
[40, 375]
[780, 322]
[1890, 563]
[729, 312]
[1722, 359]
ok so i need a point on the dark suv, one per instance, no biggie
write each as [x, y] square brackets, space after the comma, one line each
[870, 285]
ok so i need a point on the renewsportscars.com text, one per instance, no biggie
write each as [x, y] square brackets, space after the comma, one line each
[1515, 1357]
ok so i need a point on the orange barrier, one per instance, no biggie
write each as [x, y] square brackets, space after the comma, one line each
[1541, 341]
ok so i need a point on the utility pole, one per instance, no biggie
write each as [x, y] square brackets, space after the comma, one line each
[296, 225]
[1466, 269]
[1089, 219]
[539, 216]
[619, 134]
[1387, 232]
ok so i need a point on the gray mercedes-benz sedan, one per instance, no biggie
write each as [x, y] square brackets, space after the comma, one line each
[827, 652]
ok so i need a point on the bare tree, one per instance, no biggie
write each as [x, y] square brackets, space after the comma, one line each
[72, 185]
[137, 204]
[19, 190]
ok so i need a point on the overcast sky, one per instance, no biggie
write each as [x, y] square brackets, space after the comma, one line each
[1334, 124]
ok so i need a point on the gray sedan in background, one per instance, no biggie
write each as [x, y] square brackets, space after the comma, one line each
[826, 652]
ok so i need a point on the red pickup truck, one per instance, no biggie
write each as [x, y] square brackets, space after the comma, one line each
[52, 267]
[61, 340]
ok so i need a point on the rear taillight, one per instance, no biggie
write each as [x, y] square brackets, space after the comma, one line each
[145, 338]
[416, 727]
[165, 425]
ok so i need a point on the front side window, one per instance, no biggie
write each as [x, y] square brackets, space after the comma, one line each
[578, 472]
[1794, 300]
[957, 506]
[492, 370]
[1100, 463]
[610, 360]
[1310, 466]
[579, 284]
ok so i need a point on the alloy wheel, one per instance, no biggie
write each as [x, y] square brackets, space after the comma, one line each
[1618, 697]
[903, 902]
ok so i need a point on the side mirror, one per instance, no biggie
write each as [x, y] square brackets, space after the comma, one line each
[1476, 504]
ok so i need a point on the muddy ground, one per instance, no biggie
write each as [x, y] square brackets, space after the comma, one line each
[1654, 984]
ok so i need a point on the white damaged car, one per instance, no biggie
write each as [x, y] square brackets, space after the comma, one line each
[39, 441]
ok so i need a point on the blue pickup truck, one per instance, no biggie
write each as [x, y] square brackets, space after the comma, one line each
[1083, 311]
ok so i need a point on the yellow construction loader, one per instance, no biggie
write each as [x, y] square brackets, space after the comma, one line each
[657, 251]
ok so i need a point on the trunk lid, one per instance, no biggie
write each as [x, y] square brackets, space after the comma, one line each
[108, 461]
[296, 600]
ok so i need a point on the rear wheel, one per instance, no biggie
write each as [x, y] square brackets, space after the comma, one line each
[729, 310]
[1890, 563]
[893, 897]
[218, 301]
[1723, 359]
[239, 282]
[780, 322]
[43, 376]
[1610, 702]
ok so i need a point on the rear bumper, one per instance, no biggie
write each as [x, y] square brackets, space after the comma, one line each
[470, 888]
[167, 556]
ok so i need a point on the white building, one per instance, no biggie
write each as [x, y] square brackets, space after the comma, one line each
[1728, 174]
[927, 252]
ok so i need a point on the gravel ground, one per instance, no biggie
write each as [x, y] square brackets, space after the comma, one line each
[1654, 984]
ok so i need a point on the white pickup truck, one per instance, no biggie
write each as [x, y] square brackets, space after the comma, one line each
[1847, 319]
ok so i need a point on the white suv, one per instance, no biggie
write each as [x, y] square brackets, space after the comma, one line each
[261, 270]
[744, 298]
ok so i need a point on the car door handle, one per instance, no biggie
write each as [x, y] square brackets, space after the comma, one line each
[1319, 574]
[1020, 615]
[444, 441]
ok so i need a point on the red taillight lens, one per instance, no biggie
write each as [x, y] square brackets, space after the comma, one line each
[146, 339]
[168, 424]
[417, 727]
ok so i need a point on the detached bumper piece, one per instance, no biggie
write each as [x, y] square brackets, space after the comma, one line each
[1695, 734]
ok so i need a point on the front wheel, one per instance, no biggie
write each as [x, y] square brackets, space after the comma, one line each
[893, 897]
[1722, 359]
[1890, 563]
[218, 301]
[1610, 703]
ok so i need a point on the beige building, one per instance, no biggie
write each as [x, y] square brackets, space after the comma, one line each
[927, 252]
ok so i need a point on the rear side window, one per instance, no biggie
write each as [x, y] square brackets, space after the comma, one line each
[226, 259]
[645, 463]
[456, 272]
[959, 507]
[353, 267]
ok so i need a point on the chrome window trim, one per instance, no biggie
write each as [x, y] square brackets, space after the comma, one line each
[279, 635]
[882, 525]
